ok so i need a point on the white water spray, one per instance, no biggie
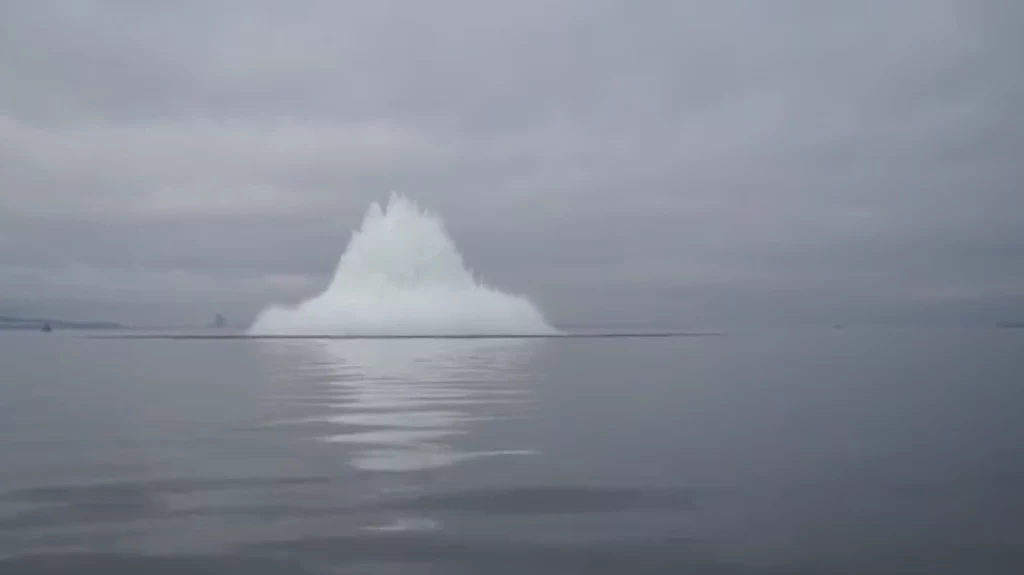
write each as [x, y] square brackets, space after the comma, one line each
[401, 274]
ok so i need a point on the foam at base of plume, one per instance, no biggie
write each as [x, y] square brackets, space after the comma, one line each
[402, 275]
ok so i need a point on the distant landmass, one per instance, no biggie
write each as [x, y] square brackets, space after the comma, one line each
[39, 323]
[1011, 324]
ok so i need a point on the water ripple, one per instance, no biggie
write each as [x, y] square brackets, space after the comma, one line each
[399, 405]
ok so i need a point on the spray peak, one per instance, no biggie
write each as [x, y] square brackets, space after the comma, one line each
[401, 274]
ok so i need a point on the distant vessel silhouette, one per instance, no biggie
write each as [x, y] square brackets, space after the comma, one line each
[47, 328]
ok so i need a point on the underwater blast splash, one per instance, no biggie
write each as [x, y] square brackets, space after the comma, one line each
[401, 274]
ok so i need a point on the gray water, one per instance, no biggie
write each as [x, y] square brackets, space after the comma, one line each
[831, 451]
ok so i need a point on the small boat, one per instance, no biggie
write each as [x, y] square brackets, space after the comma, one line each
[47, 328]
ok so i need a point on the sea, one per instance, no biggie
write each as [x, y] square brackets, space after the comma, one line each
[747, 452]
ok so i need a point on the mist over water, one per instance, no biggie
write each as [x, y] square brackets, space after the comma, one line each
[401, 274]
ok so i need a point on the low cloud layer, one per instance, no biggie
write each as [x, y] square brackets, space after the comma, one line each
[688, 162]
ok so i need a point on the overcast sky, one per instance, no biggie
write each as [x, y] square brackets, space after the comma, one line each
[704, 163]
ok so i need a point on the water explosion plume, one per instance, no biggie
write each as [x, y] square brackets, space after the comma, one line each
[401, 274]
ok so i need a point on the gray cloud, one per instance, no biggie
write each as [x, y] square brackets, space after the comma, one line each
[716, 162]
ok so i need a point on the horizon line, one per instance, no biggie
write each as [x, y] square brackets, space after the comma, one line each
[619, 335]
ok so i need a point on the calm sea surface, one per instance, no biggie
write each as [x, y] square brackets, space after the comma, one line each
[831, 451]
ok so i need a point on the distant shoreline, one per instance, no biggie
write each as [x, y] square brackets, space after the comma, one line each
[619, 335]
[14, 323]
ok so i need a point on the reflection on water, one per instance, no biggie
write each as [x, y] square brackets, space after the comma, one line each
[399, 404]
